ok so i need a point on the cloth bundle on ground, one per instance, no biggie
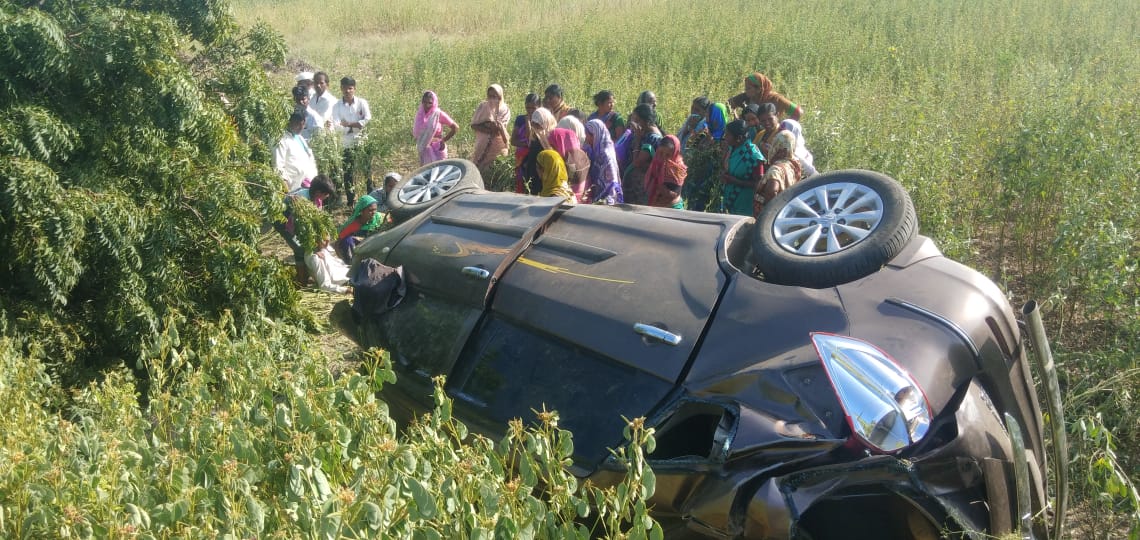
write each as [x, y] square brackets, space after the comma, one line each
[376, 289]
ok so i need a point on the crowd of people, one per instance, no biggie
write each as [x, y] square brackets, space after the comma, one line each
[755, 138]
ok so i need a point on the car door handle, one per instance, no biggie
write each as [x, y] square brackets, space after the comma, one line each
[653, 332]
[476, 272]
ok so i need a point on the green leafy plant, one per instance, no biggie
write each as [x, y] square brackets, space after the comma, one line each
[703, 184]
[500, 174]
[311, 225]
[253, 436]
[1103, 471]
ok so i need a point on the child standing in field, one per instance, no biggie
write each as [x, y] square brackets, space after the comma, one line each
[520, 138]
[428, 129]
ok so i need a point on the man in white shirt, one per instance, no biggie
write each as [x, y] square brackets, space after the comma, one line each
[350, 115]
[292, 157]
[312, 119]
[324, 100]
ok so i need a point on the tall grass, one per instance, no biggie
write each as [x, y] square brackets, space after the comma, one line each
[1012, 123]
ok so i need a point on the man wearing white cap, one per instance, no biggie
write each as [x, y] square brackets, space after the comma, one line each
[313, 120]
[305, 79]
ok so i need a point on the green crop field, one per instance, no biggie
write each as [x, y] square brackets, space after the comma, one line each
[160, 376]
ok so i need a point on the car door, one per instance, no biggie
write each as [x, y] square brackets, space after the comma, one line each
[450, 260]
[598, 318]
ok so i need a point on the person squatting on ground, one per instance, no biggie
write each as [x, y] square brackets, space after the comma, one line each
[552, 171]
[365, 221]
[318, 191]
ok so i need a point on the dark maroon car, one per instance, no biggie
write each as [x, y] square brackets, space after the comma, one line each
[822, 372]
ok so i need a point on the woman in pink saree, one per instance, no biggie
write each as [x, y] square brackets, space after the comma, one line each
[577, 163]
[428, 129]
[490, 125]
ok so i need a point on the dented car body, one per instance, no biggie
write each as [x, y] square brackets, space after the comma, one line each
[874, 407]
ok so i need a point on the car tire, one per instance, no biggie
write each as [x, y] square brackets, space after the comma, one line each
[429, 184]
[833, 228]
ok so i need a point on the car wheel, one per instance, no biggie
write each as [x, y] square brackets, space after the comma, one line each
[429, 184]
[833, 228]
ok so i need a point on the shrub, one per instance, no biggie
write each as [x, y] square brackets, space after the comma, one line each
[252, 436]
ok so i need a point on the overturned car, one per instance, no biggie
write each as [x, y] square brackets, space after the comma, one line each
[821, 372]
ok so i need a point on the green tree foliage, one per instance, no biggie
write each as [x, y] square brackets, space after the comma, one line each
[133, 176]
[311, 224]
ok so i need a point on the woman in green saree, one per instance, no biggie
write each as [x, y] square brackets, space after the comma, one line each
[743, 169]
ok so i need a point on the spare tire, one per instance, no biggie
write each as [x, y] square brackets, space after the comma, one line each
[833, 228]
[425, 187]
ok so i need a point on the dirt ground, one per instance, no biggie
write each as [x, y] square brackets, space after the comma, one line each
[343, 351]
